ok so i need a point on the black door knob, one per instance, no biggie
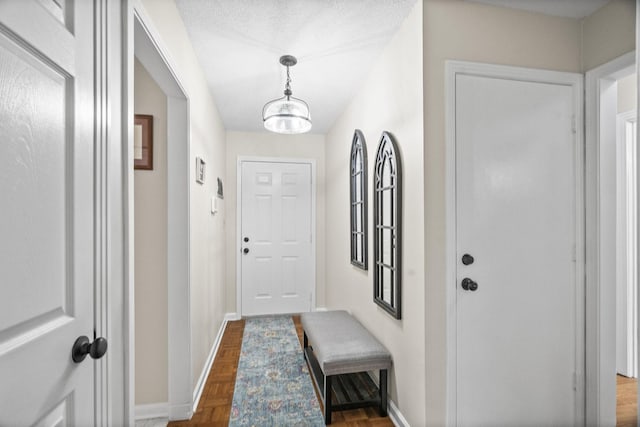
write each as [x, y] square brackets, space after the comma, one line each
[245, 250]
[246, 239]
[82, 347]
[468, 284]
[467, 259]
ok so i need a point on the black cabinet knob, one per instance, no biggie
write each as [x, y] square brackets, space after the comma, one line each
[245, 250]
[468, 284]
[246, 239]
[467, 259]
[82, 347]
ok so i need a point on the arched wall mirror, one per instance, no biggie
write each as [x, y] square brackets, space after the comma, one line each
[387, 214]
[359, 206]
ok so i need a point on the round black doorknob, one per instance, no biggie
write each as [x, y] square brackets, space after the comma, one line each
[468, 284]
[467, 259]
[245, 250]
[82, 347]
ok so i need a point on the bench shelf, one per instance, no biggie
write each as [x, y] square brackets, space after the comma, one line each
[348, 391]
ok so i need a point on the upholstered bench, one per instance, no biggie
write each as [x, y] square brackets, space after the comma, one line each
[340, 351]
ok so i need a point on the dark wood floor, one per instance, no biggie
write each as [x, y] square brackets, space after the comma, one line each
[627, 402]
[215, 404]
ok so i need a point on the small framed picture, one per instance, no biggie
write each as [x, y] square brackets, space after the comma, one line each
[143, 142]
[220, 189]
[200, 169]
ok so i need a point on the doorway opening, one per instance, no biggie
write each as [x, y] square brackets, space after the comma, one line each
[177, 401]
[626, 253]
[612, 242]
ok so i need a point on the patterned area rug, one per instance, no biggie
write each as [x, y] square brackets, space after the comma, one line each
[273, 387]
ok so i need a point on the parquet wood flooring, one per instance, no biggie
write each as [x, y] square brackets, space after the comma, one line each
[627, 402]
[215, 404]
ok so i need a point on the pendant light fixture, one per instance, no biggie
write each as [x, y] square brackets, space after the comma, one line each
[287, 114]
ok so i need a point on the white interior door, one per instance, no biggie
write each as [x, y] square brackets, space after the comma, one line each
[518, 348]
[46, 213]
[277, 264]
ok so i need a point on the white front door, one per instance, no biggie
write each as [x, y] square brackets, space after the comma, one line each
[46, 211]
[277, 264]
[519, 327]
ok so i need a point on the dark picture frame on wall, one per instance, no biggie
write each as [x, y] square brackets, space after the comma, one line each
[387, 219]
[143, 142]
[200, 170]
[220, 191]
[358, 201]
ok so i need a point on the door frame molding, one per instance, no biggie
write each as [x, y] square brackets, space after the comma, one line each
[629, 305]
[147, 45]
[238, 245]
[600, 113]
[113, 386]
[453, 68]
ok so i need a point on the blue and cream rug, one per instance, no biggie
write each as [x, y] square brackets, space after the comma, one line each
[273, 387]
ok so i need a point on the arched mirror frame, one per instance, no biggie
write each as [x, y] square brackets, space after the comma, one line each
[387, 217]
[359, 203]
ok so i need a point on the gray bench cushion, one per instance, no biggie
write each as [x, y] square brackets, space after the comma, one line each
[342, 345]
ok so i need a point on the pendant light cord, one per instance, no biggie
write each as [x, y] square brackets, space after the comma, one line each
[287, 87]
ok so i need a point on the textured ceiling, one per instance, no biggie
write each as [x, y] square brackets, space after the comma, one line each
[239, 43]
[566, 8]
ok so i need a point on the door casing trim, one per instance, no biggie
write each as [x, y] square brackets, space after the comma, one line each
[238, 245]
[600, 383]
[453, 68]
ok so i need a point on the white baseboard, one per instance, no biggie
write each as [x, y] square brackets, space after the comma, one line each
[152, 410]
[180, 412]
[396, 416]
[197, 392]
[231, 316]
[321, 309]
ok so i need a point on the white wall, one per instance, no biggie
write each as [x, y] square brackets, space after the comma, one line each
[206, 140]
[627, 93]
[472, 32]
[150, 187]
[390, 99]
[608, 33]
[267, 144]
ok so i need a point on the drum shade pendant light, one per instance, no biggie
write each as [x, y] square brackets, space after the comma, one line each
[287, 114]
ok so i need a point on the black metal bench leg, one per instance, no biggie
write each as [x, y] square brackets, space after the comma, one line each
[383, 392]
[327, 399]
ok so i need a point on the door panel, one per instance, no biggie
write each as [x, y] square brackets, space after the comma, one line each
[46, 219]
[277, 271]
[516, 215]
